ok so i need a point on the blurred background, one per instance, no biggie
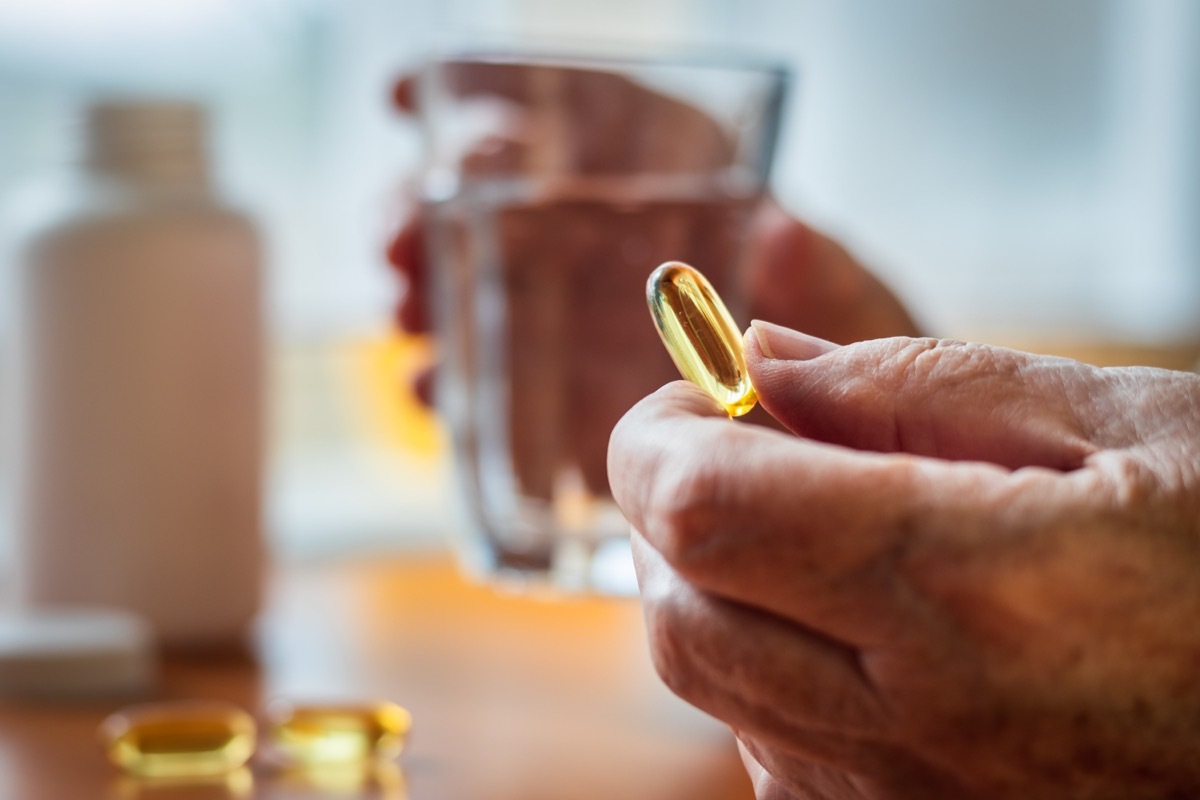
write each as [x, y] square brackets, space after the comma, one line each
[1020, 172]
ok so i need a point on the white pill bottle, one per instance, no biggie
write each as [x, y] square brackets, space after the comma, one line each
[140, 353]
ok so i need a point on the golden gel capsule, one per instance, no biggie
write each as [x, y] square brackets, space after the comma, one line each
[700, 335]
[321, 734]
[183, 739]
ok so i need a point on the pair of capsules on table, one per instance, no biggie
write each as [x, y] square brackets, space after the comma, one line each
[208, 738]
[202, 738]
[700, 335]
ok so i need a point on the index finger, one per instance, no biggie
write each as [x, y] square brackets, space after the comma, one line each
[811, 531]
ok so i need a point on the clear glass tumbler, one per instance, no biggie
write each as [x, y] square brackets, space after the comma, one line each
[552, 188]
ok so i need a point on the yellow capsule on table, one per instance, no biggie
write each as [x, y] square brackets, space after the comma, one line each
[180, 739]
[700, 335]
[314, 733]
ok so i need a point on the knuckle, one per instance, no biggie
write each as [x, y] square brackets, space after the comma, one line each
[685, 505]
[669, 634]
[913, 367]
[1133, 487]
[1136, 482]
[925, 361]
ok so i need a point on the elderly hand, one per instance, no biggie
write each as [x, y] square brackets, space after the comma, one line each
[971, 573]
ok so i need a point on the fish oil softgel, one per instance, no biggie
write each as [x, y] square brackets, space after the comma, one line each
[700, 335]
[179, 740]
[314, 733]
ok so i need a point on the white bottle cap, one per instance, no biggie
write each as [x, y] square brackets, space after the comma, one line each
[79, 653]
[147, 140]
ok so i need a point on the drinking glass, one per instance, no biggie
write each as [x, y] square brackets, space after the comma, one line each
[552, 187]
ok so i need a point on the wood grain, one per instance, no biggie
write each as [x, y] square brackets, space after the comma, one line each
[514, 698]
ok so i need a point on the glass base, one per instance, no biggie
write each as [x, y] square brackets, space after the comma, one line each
[573, 566]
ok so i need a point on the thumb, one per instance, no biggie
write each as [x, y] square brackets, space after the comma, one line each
[929, 397]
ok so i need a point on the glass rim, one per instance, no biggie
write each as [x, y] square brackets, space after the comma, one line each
[723, 60]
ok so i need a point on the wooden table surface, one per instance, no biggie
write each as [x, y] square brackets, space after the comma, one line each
[513, 698]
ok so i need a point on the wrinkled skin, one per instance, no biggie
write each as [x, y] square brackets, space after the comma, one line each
[966, 572]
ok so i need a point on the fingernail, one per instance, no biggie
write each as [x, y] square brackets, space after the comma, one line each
[778, 342]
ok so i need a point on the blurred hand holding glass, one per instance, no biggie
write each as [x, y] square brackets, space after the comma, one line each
[551, 190]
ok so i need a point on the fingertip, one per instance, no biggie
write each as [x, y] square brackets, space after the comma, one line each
[642, 428]
[766, 340]
[404, 94]
[683, 398]
[781, 365]
[400, 249]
